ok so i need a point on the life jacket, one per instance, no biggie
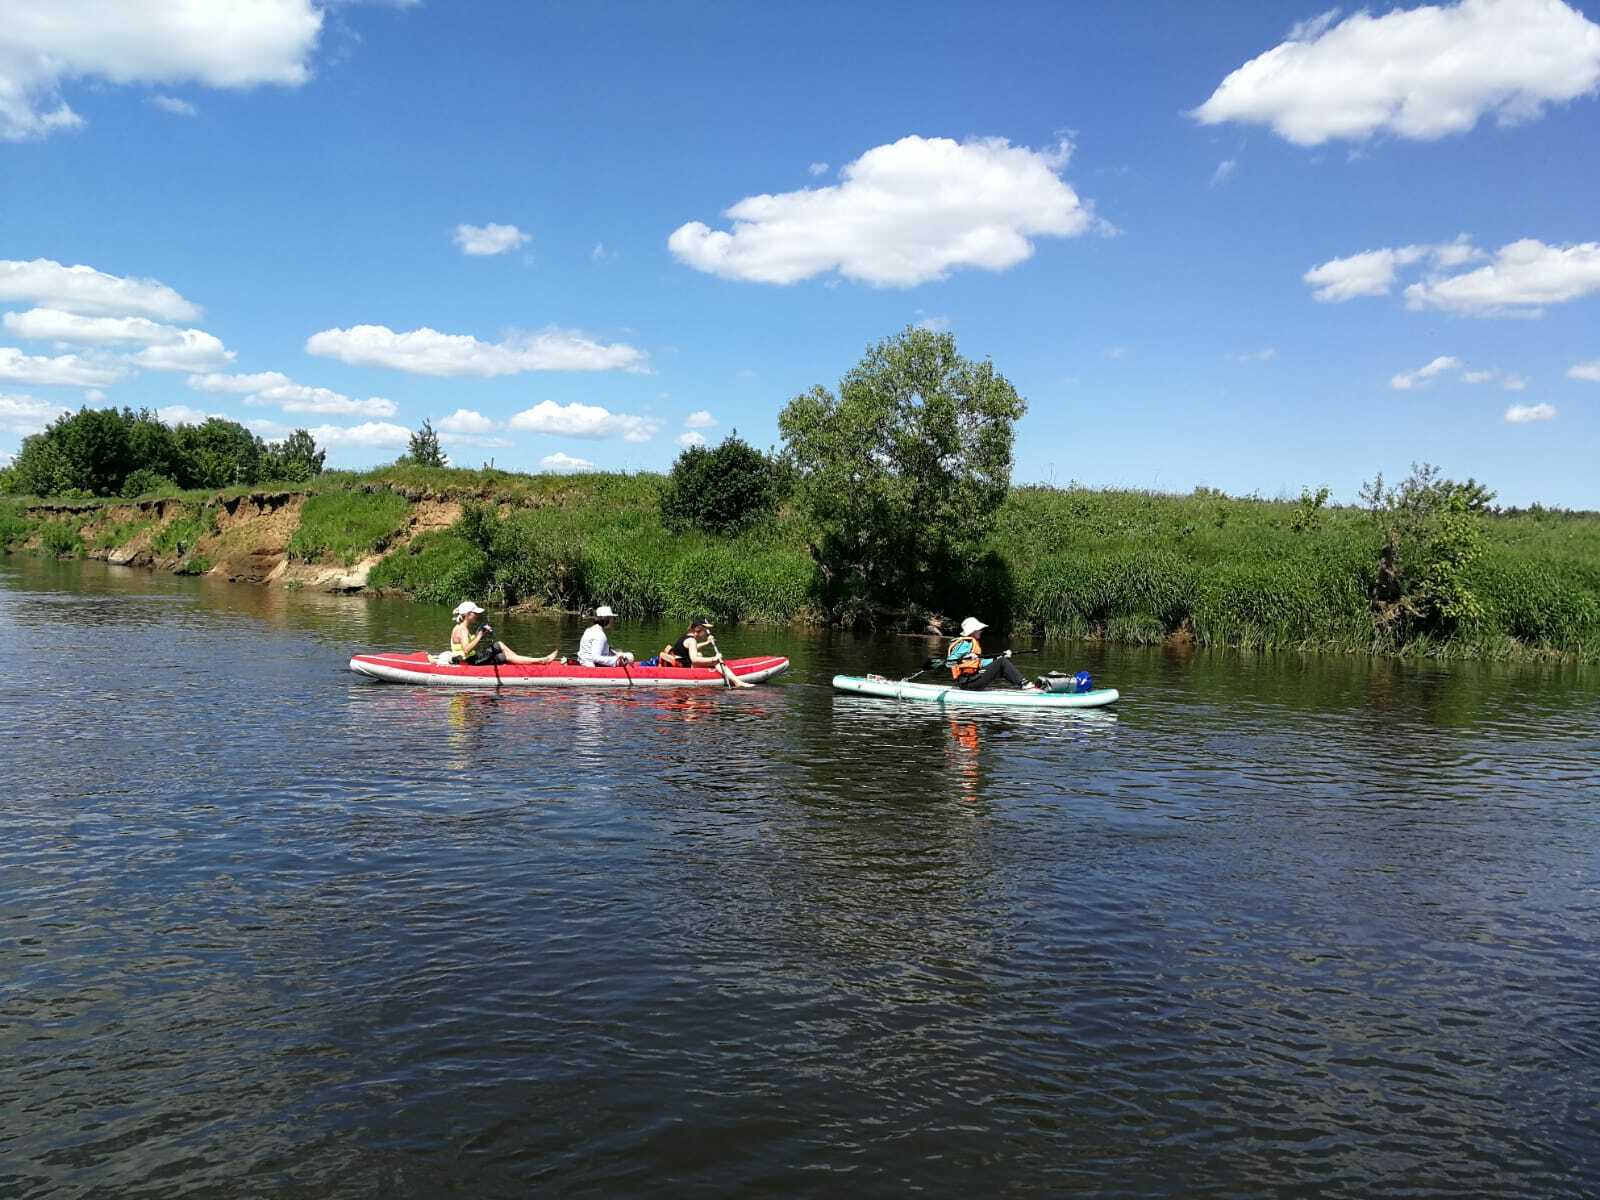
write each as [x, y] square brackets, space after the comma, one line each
[965, 657]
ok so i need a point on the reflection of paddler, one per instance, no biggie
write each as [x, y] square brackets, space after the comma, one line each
[963, 755]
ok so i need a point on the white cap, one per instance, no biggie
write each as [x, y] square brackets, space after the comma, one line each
[971, 626]
[465, 607]
[604, 611]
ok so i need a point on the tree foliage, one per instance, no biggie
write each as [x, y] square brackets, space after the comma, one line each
[901, 473]
[721, 489]
[424, 449]
[120, 452]
[1431, 531]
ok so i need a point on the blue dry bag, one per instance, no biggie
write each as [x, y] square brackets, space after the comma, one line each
[1081, 682]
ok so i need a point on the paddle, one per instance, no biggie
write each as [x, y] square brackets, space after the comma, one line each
[728, 678]
[940, 661]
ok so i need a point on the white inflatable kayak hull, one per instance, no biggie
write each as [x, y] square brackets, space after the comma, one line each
[953, 697]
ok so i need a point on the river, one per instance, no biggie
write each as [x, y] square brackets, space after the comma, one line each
[1275, 926]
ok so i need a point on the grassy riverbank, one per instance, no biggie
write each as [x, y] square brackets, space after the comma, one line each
[1128, 566]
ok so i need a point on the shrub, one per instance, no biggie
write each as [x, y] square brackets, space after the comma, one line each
[180, 535]
[438, 567]
[147, 482]
[345, 527]
[61, 538]
[723, 490]
[14, 527]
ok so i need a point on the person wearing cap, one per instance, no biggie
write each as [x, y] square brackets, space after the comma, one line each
[971, 671]
[689, 651]
[475, 651]
[594, 648]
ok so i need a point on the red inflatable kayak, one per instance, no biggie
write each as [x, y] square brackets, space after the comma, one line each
[420, 668]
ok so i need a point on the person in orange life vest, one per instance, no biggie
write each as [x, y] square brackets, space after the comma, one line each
[971, 671]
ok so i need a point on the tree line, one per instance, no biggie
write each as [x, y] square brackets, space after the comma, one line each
[120, 452]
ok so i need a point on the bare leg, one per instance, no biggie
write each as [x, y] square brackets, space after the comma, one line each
[522, 660]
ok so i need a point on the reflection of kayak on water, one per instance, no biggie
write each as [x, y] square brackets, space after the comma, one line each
[949, 696]
[421, 668]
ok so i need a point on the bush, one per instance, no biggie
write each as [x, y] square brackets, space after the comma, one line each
[438, 567]
[180, 535]
[345, 527]
[14, 527]
[722, 490]
[61, 538]
[146, 482]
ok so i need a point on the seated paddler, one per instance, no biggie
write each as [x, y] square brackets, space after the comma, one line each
[973, 672]
[478, 648]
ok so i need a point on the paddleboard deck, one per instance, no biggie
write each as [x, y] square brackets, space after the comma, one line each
[947, 696]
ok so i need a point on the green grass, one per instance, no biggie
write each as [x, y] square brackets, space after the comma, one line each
[15, 526]
[61, 538]
[344, 527]
[181, 534]
[437, 567]
[121, 533]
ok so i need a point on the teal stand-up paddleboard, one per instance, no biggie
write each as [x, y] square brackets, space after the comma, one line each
[946, 696]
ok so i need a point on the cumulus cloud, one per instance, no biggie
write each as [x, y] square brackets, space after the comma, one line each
[1255, 356]
[1408, 380]
[481, 240]
[585, 421]
[81, 289]
[299, 398]
[565, 462]
[1521, 414]
[1587, 371]
[818, 168]
[906, 213]
[1511, 383]
[428, 352]
[691, 439]
[182, 414]
[1524, 277]
[67, 369]
[465, 420]
[238, 384]
[95, 396]
[699, 419]
[220, 44]
[53, 325]
[193, 351]
[175, 106]
[1422, 73]
[369, 434]
[21, 414]
[1373, 272]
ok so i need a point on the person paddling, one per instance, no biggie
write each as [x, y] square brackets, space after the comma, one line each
[594, 649]
[971, 671]
[689, 651]
[479, 649]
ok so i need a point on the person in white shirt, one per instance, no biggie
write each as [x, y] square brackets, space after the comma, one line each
[594, 650]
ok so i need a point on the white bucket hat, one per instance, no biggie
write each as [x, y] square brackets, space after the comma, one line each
[604, 611]
[971, 626]
[465, 607]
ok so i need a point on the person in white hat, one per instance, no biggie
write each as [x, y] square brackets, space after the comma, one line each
[594, 649]
[480, 649]
[971, 671]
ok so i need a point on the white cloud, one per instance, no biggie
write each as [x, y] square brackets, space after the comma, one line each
[691, 439]
[68, 369]
[298, 398]
[182, 414]
[24, 414]
[1511, 383]
[818, 168]
[699, 419]
[1372, 272]
[465, 420]
[95, 396]
[1413, 379]
[905, 213]
[1588, 371]
[175, 106]
[481, 240]
[1255, 356]
[1421, 73]
[193, 351]
[585, 421]
[82, 289]
[238, 384]
[1117, 353]
[933, 322]
[1524, 276]
[1224, 172]
[53, 325]
[371, 433]
[565, 462]
[7, 458]
[429, 352]
[1521, 414]
[221, 44]
[600, 253]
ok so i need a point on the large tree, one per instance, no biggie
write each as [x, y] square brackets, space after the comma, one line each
[902, 471]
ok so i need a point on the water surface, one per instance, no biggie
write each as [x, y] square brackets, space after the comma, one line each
[1275, 926]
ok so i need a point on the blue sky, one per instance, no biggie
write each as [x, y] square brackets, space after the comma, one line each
[273, 206]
